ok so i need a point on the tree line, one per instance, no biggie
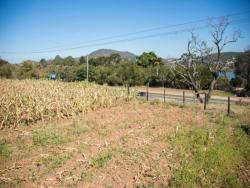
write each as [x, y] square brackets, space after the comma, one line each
[112, 70]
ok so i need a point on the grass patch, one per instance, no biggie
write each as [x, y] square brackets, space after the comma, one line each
[209, 158]
[155, 102]
[45, 137]
[102, 159]
[222, 93]
[78, 129]
[54, 161]
[225, 120]
[103, 132]
[5, 149]
[124, 139]
[131, 156]
[86, 176]
[21, 143]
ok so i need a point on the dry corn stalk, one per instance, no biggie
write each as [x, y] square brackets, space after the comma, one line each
[28, 101]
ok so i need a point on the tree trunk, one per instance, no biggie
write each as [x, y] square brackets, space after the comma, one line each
[248, 76]
[211, 88]
[198, 96]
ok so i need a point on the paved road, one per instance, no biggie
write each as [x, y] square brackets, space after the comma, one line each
[179, 98]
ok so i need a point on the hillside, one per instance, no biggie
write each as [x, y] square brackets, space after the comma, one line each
[107, 52]
[228, 55]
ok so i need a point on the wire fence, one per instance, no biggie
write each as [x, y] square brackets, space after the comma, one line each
[184, 99]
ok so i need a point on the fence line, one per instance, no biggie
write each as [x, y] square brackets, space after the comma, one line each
[183, 97]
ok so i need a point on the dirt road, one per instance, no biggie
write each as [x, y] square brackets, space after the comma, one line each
[218, 95]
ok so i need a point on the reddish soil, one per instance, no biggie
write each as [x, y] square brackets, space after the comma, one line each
[124, 146]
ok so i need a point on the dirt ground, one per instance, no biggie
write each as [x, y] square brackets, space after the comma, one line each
[121, 146]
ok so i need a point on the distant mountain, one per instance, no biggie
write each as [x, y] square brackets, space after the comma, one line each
[107, 52]
[125, 55]
[229, 55]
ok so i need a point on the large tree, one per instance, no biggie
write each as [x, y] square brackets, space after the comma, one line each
[82, 60]
[5, 69]
[199, 53]
[242, 68]
[151, 60]
[148, 59]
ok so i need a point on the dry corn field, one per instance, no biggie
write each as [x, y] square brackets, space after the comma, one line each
[28, 101]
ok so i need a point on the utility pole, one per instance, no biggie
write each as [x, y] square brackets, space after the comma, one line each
[87, 67]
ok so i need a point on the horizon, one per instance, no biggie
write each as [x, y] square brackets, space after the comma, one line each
[75, 57]
[132, 26]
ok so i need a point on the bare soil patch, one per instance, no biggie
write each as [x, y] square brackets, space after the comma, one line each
[129, 134]
[126, 145]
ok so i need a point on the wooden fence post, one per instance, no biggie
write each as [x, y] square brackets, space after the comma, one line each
[184, 100]
[205, 102]
[147, 91]
[228, 105]
[164, 94]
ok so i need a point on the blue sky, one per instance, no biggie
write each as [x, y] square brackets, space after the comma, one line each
[30, 25]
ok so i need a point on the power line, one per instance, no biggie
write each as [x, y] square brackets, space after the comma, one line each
[131, 39]
[145, 30]
[142, 37]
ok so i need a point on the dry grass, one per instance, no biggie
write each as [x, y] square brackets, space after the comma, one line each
[27, 101]
[97, 149]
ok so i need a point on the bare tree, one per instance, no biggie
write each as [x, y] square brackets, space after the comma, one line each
[199, 53]
[186, 67]
[220, 41]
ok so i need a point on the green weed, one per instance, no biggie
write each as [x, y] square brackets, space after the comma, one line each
[209, 162]
[5, 149]
[86, 176]
[45, 137]
[102, 159]
[54, 161]
[132, 156]
[126, 138]
[78, 129]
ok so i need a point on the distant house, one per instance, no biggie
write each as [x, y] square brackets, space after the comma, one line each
[53, 76]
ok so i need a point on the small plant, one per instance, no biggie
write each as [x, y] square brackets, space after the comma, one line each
[102, 159]
[44, 137]
[54, 161]
[78, 129]
[132, 155]
[5, 149]
[86, 176]
[126, 138]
